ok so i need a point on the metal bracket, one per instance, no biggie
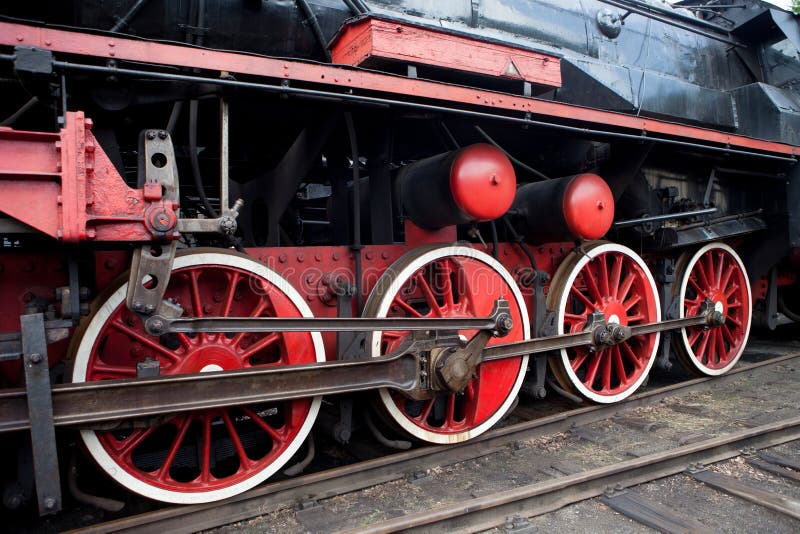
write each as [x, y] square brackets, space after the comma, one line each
[152, 264]
[40, 413]
[33, 60]
[151, 268]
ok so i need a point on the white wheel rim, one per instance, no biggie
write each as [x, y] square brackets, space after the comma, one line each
[83, 354]
[691, 356]
[562, 306]
[385, 302]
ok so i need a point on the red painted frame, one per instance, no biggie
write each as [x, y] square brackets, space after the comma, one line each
[64, 185]
[168, 54]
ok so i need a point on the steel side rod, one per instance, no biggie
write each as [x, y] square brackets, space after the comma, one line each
[566, 341]
[316, 324]
[110, 400]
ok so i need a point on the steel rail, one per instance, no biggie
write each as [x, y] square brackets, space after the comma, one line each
[330, 96]
[538, 498]
[273, 496]
[84, 403]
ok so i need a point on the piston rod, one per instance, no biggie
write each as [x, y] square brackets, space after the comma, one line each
[114, 400]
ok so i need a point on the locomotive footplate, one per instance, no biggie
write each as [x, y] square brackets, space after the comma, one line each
[417, 369]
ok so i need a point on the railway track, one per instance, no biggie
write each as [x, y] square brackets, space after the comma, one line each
[491, 510]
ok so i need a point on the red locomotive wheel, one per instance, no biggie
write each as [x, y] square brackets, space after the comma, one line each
[715, 277]
[450, 281]
[205, 455]
[612, 280]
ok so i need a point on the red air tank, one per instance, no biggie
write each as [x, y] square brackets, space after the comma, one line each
[473, 184]
[564, 209]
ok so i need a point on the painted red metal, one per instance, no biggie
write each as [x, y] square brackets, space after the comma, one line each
[215, 290]
[717, 277]
[367, 40]
[167, 54]
[588, 206]
[483, 182]
[64, 185]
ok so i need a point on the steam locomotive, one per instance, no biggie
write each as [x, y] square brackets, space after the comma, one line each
[216, 212]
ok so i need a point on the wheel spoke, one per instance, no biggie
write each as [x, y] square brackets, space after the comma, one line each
[728, 335]
[257, 310]
[734, 288]
[275, 434]
[695, 334]
[591, 371]
[450, 411]
[622, 294]
[701, 274]
[407, 307]
[144, 339]
[701, 348]
[447, 285]
[232, 283]
[631, 302]
[430, 298]
[712, 346]
[603, 275]
[619, 365]
[720, 346]
[183, 427]
[606, 376]
[626, 348]
[261, 344]
[591, 284]
[135, 438]
[720, 264]
[244, 461]
[616, 276]
[194, 288]
[727, 276]
[205, 458]
[697, 288]
[579, 359]
[580, 296]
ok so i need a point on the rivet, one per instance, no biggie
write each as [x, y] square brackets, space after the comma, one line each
[370, 255]
[335, 256]
[20, 37]
[301, 258]
[309, 298]
[48, 42]
[309, 278]
[112, 53]
[282, 258]
[111, 44]
[385, 255]
[318, 257]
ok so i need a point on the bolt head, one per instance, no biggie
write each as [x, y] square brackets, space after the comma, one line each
[36, 358]
[49, 503]
[150, 134]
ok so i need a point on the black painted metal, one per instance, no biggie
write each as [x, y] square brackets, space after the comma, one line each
[40, 413]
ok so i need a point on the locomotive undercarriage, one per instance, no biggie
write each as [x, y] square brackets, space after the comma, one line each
[198, 371]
